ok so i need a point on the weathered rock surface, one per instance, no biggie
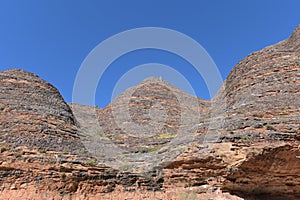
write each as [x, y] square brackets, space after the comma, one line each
[262, 92]
[149, 124]
[35, 174]
[272, 174]
[152, 108]
[263, 106]
[257, 155]
[42, 146]
[244, 142]
[33, 113]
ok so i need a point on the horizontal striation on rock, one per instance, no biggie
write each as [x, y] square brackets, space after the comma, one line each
[255, 114]
[33, 113]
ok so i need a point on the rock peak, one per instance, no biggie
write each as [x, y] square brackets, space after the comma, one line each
[39, 108]
[21, 74]
[294, 40]
[152, 79]
[297, 30]
[162, 83]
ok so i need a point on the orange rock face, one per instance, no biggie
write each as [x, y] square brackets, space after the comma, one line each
[245, 143]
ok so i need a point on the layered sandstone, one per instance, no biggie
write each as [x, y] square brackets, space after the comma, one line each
[150, 124]
[263, 93]
[155, 140]
[33, 113]
[257, 154]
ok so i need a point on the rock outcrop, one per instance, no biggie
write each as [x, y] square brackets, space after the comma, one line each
[263, 93]
[257, 154]
[154, 140]
[34, 114]
[150, 123]
[43, 150]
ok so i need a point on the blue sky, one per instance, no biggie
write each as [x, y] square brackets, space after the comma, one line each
[52, 38]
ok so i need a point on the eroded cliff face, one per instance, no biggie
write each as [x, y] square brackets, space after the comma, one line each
[272, 174]
[263, 108]
[42, 147]
[262, 92]
[149, 124]
[257, 153]
[33, 113]
[244, 142]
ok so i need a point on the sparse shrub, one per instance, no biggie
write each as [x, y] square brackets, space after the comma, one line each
[113, 137]
[3, 149]
[42, 150]
[82, 152]
[154, 149]
[255, 151]
[270, 127]
[143, 150]
[296, 130]
[246, 138]
[147, 149]
[91, 162]
[166, 136]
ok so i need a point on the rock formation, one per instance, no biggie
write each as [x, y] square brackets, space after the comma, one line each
[263, 110]
[42, 145]
[257, 154]
[149, 123]
[33, 113]
[156, 141]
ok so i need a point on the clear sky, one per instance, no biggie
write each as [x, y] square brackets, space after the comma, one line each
[51, 38]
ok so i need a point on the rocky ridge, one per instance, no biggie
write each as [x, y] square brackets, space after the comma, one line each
[150, 123]
[255, 156]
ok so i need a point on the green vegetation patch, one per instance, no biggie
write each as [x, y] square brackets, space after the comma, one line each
[147, 149]
[91, 162]
[166, 136]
